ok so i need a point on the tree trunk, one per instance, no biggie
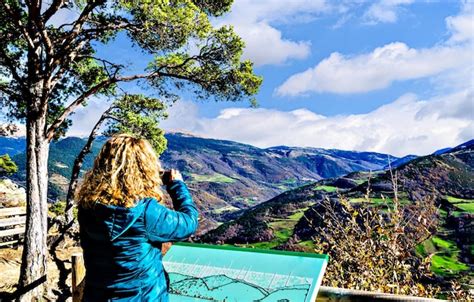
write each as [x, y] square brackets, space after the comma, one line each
[34, 259]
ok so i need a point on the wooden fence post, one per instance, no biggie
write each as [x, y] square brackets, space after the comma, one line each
[78, 274]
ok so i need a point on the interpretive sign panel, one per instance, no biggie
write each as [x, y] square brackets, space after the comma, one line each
[199, 272]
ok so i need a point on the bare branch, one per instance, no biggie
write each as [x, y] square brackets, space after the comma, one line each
[106, 27]
[108, 116]
[105, 63]
[78, 164]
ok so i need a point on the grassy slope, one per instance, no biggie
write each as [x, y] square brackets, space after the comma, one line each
[445, 256]
[325, 188]
[216, 177]
[463, 204]
[282, 228]
[445, 253]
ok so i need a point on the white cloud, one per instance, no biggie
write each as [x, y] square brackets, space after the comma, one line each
[462, 25]
[84, 118]
[405, 126]
[264, 43]
[375, 70]
[384, 11]
[183, 115]
[392, 62]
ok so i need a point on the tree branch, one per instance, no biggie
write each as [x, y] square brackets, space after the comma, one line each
[52, 9]
[9, 63]
[55, 125]
[77, 102]
[44, 34]
[76, 169]
[64, 63]
[6, 90]
[105, 62]
[17, 19]
[77, 25]
[70, 49]
[49, 48]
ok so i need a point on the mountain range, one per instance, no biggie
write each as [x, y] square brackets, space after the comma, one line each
[268, 198]
[224, 176]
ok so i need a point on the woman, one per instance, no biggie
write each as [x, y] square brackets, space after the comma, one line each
[123, 224]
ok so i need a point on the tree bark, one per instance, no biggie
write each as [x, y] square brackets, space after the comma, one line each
[34, 259]
[34, 265]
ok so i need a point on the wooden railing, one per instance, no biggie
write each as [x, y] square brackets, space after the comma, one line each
[12, 223]
[327, 294]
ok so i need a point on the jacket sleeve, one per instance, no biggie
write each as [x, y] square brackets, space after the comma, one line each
[163, 224]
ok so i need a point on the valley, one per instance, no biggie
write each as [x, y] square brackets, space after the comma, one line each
[289, 221]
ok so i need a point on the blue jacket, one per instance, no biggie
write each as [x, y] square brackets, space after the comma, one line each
[122, 246]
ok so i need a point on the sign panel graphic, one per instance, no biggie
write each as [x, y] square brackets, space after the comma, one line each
[201, 272]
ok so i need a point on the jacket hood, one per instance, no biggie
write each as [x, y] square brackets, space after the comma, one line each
[117, 220]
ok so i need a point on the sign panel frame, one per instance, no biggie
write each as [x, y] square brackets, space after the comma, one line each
[221, 268]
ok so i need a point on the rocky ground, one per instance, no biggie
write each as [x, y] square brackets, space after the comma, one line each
[59, 277]
[11, 195]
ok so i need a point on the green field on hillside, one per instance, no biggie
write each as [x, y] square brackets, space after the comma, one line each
[452, 199]
[445, 256]
[328, 189]
[216, 177]
[468, 207]
[282, 230]
[247, 200]
[289, 184]
[463, 204]
[228, 208]
[307, 245]
[379, 201]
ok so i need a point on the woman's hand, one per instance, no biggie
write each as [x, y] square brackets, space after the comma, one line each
[165, 246]
[175, 175]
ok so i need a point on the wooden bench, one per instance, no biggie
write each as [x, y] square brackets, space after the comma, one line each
[12, 223]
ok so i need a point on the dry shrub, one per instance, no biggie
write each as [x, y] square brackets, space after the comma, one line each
[373, 248]
[457, 293]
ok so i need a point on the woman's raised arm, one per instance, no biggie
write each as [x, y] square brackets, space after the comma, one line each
[163, 224]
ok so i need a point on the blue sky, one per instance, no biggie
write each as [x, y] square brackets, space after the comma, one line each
[391, 76]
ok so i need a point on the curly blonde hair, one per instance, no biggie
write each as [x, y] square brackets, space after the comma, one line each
[126, 170]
